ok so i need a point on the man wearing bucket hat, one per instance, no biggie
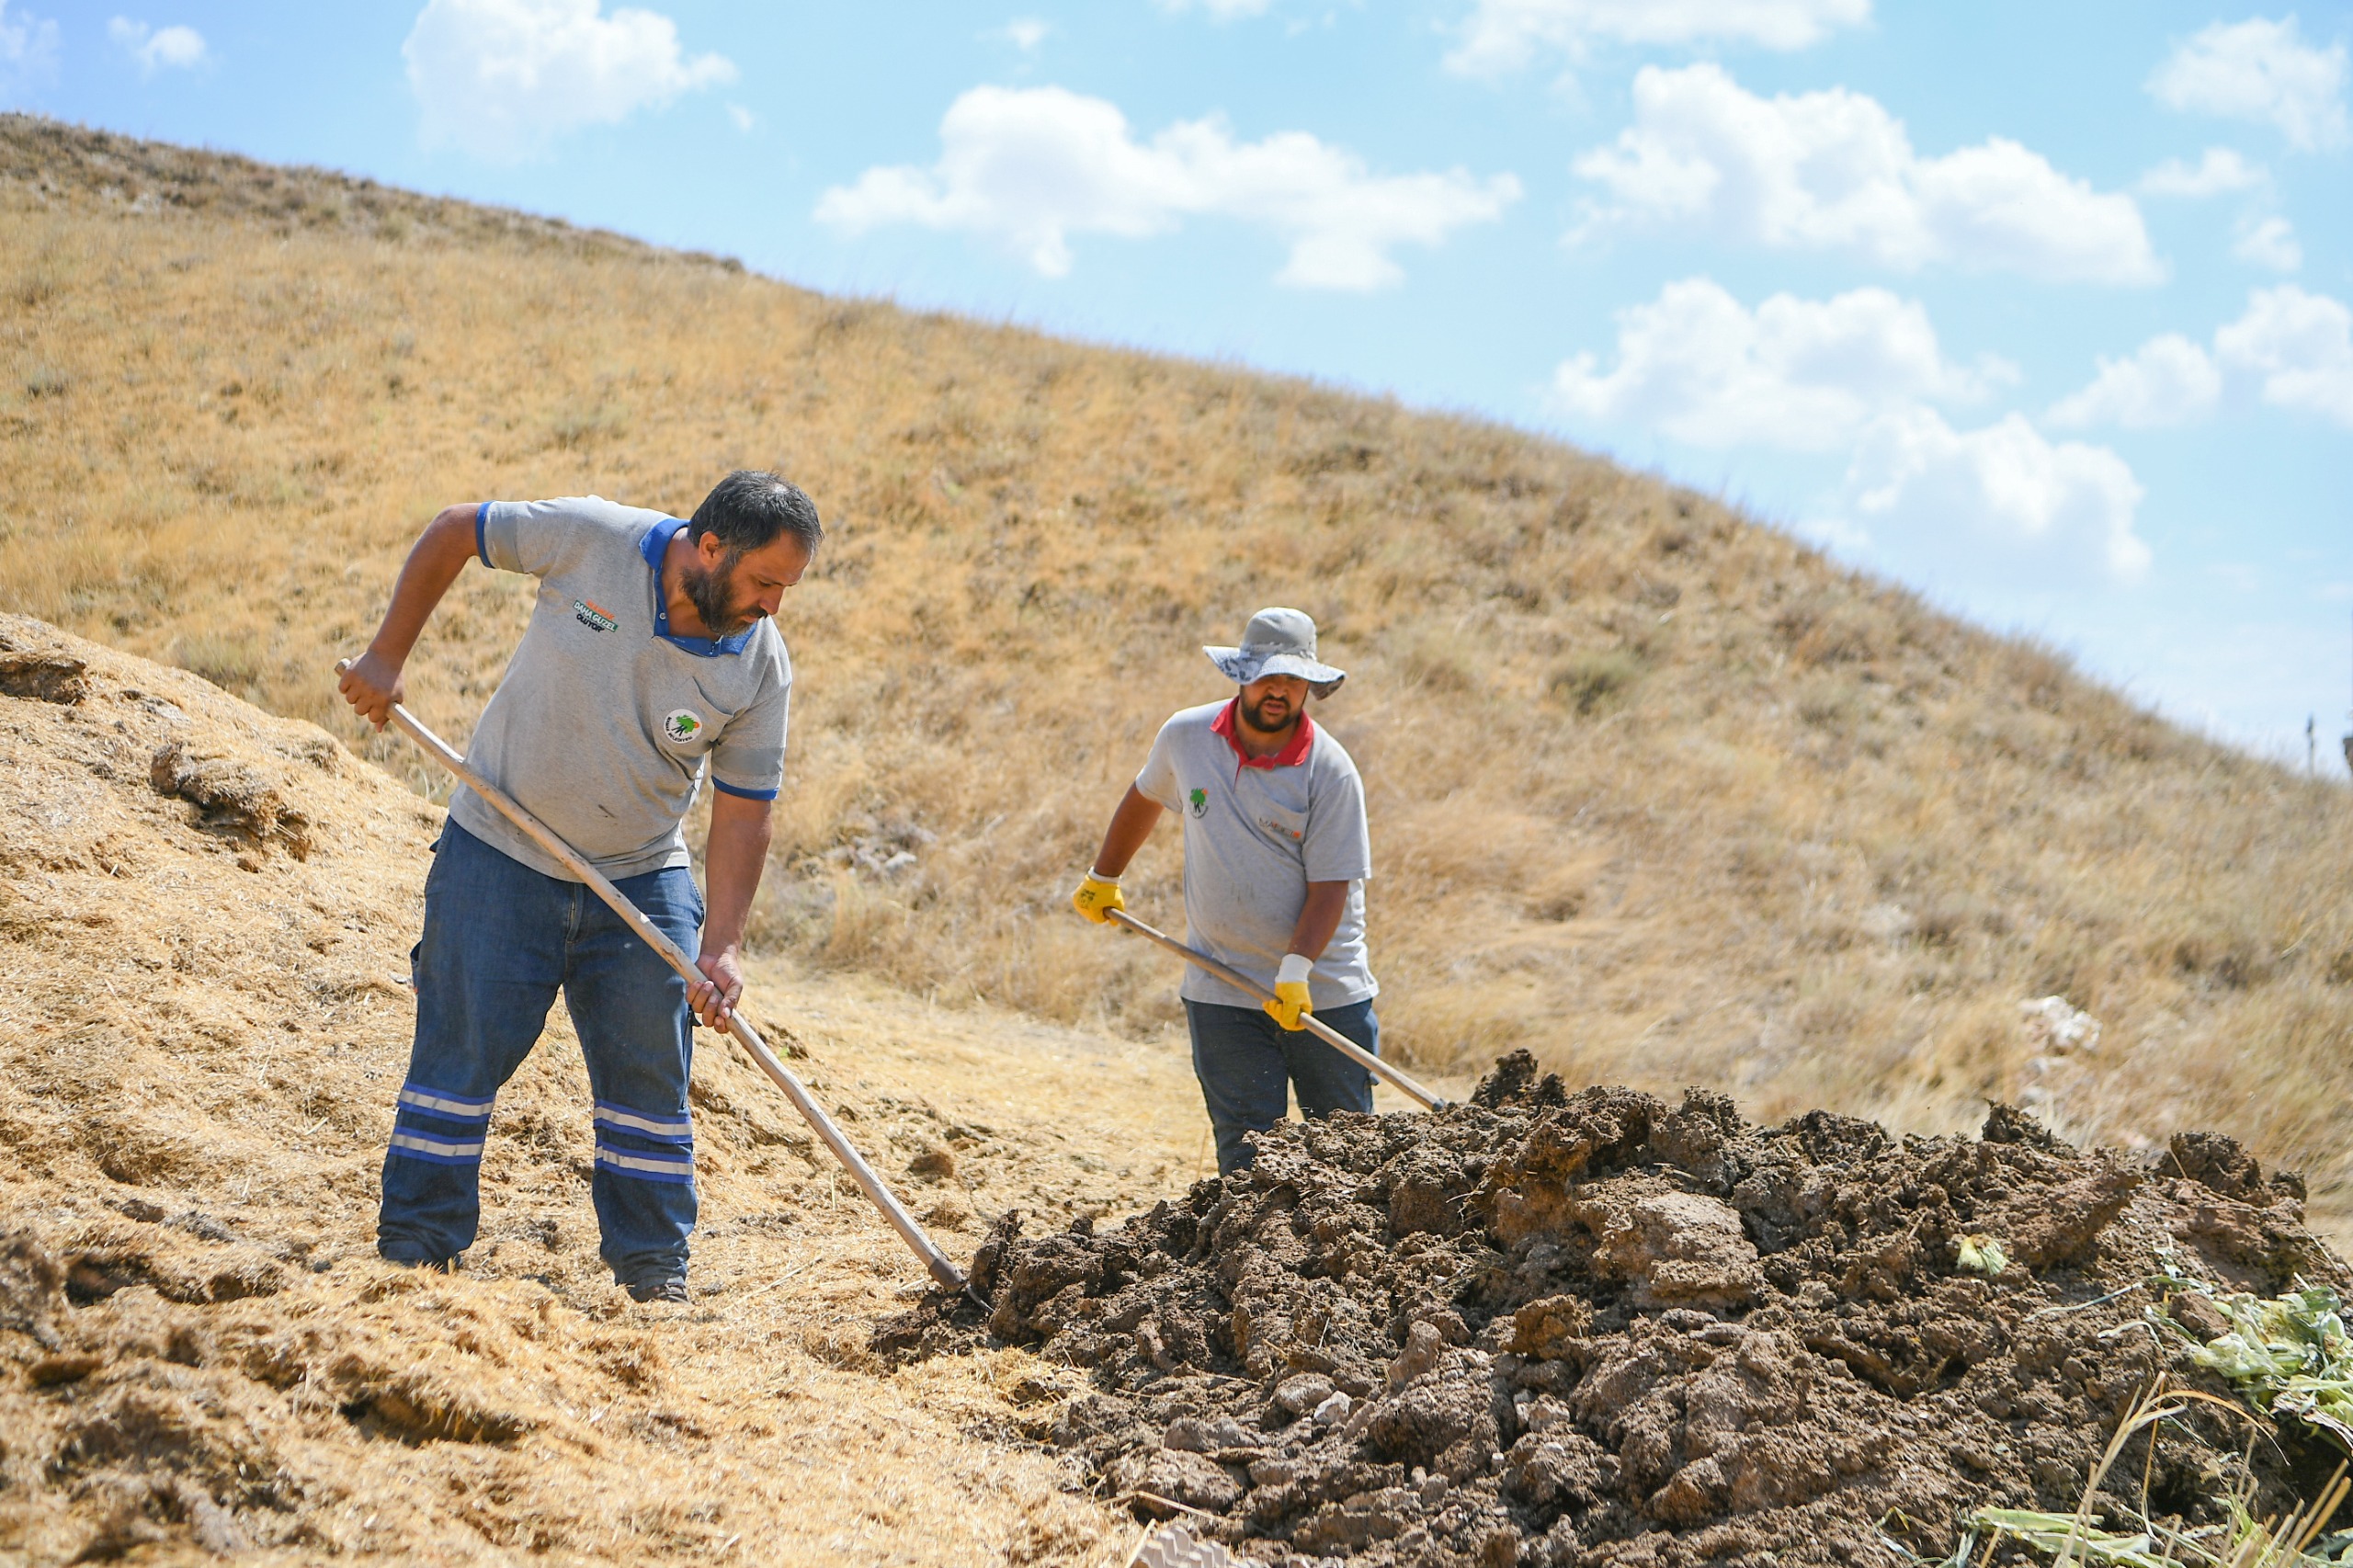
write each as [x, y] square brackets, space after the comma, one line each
[1276, 855]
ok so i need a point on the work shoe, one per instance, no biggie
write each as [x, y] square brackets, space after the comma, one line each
[430, 1265]
[658, 1291]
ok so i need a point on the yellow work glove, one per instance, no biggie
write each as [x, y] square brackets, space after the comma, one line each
[1290, 1003]
[1096, 897]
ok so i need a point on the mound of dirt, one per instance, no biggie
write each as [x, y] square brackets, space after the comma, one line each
[1576, 1330]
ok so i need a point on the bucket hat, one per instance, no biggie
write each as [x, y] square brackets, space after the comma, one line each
[1278, 643]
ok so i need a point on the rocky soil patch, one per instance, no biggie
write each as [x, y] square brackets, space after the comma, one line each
[1571, 1330]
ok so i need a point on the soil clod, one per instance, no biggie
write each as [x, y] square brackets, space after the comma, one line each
[1569, 1330]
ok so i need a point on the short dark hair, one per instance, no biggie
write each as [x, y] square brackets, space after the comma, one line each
[751, 508]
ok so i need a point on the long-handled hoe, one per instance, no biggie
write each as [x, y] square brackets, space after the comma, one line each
[863, 1174]
[1314, 1026]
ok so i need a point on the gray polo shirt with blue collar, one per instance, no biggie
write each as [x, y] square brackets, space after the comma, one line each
[605, 722]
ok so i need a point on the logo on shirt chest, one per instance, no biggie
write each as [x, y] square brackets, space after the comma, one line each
[1200, 803]
[681, 725]
[593, 616]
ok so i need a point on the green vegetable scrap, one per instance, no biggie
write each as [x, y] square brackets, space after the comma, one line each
[2287, 1356]
[1982, 1255]
[2070, 1540]
[2065, 1533]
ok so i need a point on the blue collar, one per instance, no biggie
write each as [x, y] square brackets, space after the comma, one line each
[655, 544]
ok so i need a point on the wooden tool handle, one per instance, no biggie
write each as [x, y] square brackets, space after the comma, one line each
[1365, 1059]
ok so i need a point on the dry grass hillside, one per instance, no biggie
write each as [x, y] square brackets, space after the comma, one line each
[1657, 793]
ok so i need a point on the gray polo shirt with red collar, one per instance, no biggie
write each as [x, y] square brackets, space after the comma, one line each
[606, 721]
[1257, 830]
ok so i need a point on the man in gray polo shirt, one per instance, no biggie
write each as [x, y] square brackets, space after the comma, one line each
[1276, 855]
[650, 662]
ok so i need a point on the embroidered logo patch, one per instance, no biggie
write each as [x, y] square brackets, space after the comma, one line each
[593, 616]
[681, 724]
[1201, 799]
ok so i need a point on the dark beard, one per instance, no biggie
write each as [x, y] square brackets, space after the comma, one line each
[1256, 715]
[708, 592]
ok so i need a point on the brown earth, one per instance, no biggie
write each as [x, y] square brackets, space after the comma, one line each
[1569, 1330]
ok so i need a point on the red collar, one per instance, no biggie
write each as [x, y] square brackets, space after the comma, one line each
[1291, 755]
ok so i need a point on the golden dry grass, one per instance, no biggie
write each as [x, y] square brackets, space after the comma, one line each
[1656, 792]
[201, 1029]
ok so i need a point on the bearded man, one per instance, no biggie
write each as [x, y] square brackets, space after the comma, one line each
[651, 659]
[1276, 857]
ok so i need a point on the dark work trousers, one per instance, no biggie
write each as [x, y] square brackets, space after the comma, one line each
[1248, 1065]
[500, 940]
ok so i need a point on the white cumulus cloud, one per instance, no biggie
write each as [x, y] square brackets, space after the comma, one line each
[2262, 71]
[157, 49]
[1503, 35]
[1803, 375]
[2167, 380]
[1833, 170]
[502, 78]
[27, 49]
[1862, 372]
[2292, 348]
[2005, 493]
[2219, 172]
[1030, 167]
[2298, 346]
[2269, 242]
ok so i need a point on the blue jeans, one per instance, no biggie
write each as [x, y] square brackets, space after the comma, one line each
[500, 940]
[1248, 1065]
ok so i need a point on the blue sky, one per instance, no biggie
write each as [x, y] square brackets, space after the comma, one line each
[2042, 310]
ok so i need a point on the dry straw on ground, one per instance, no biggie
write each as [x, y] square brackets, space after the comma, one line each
[204, 919]
[1657, 792]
